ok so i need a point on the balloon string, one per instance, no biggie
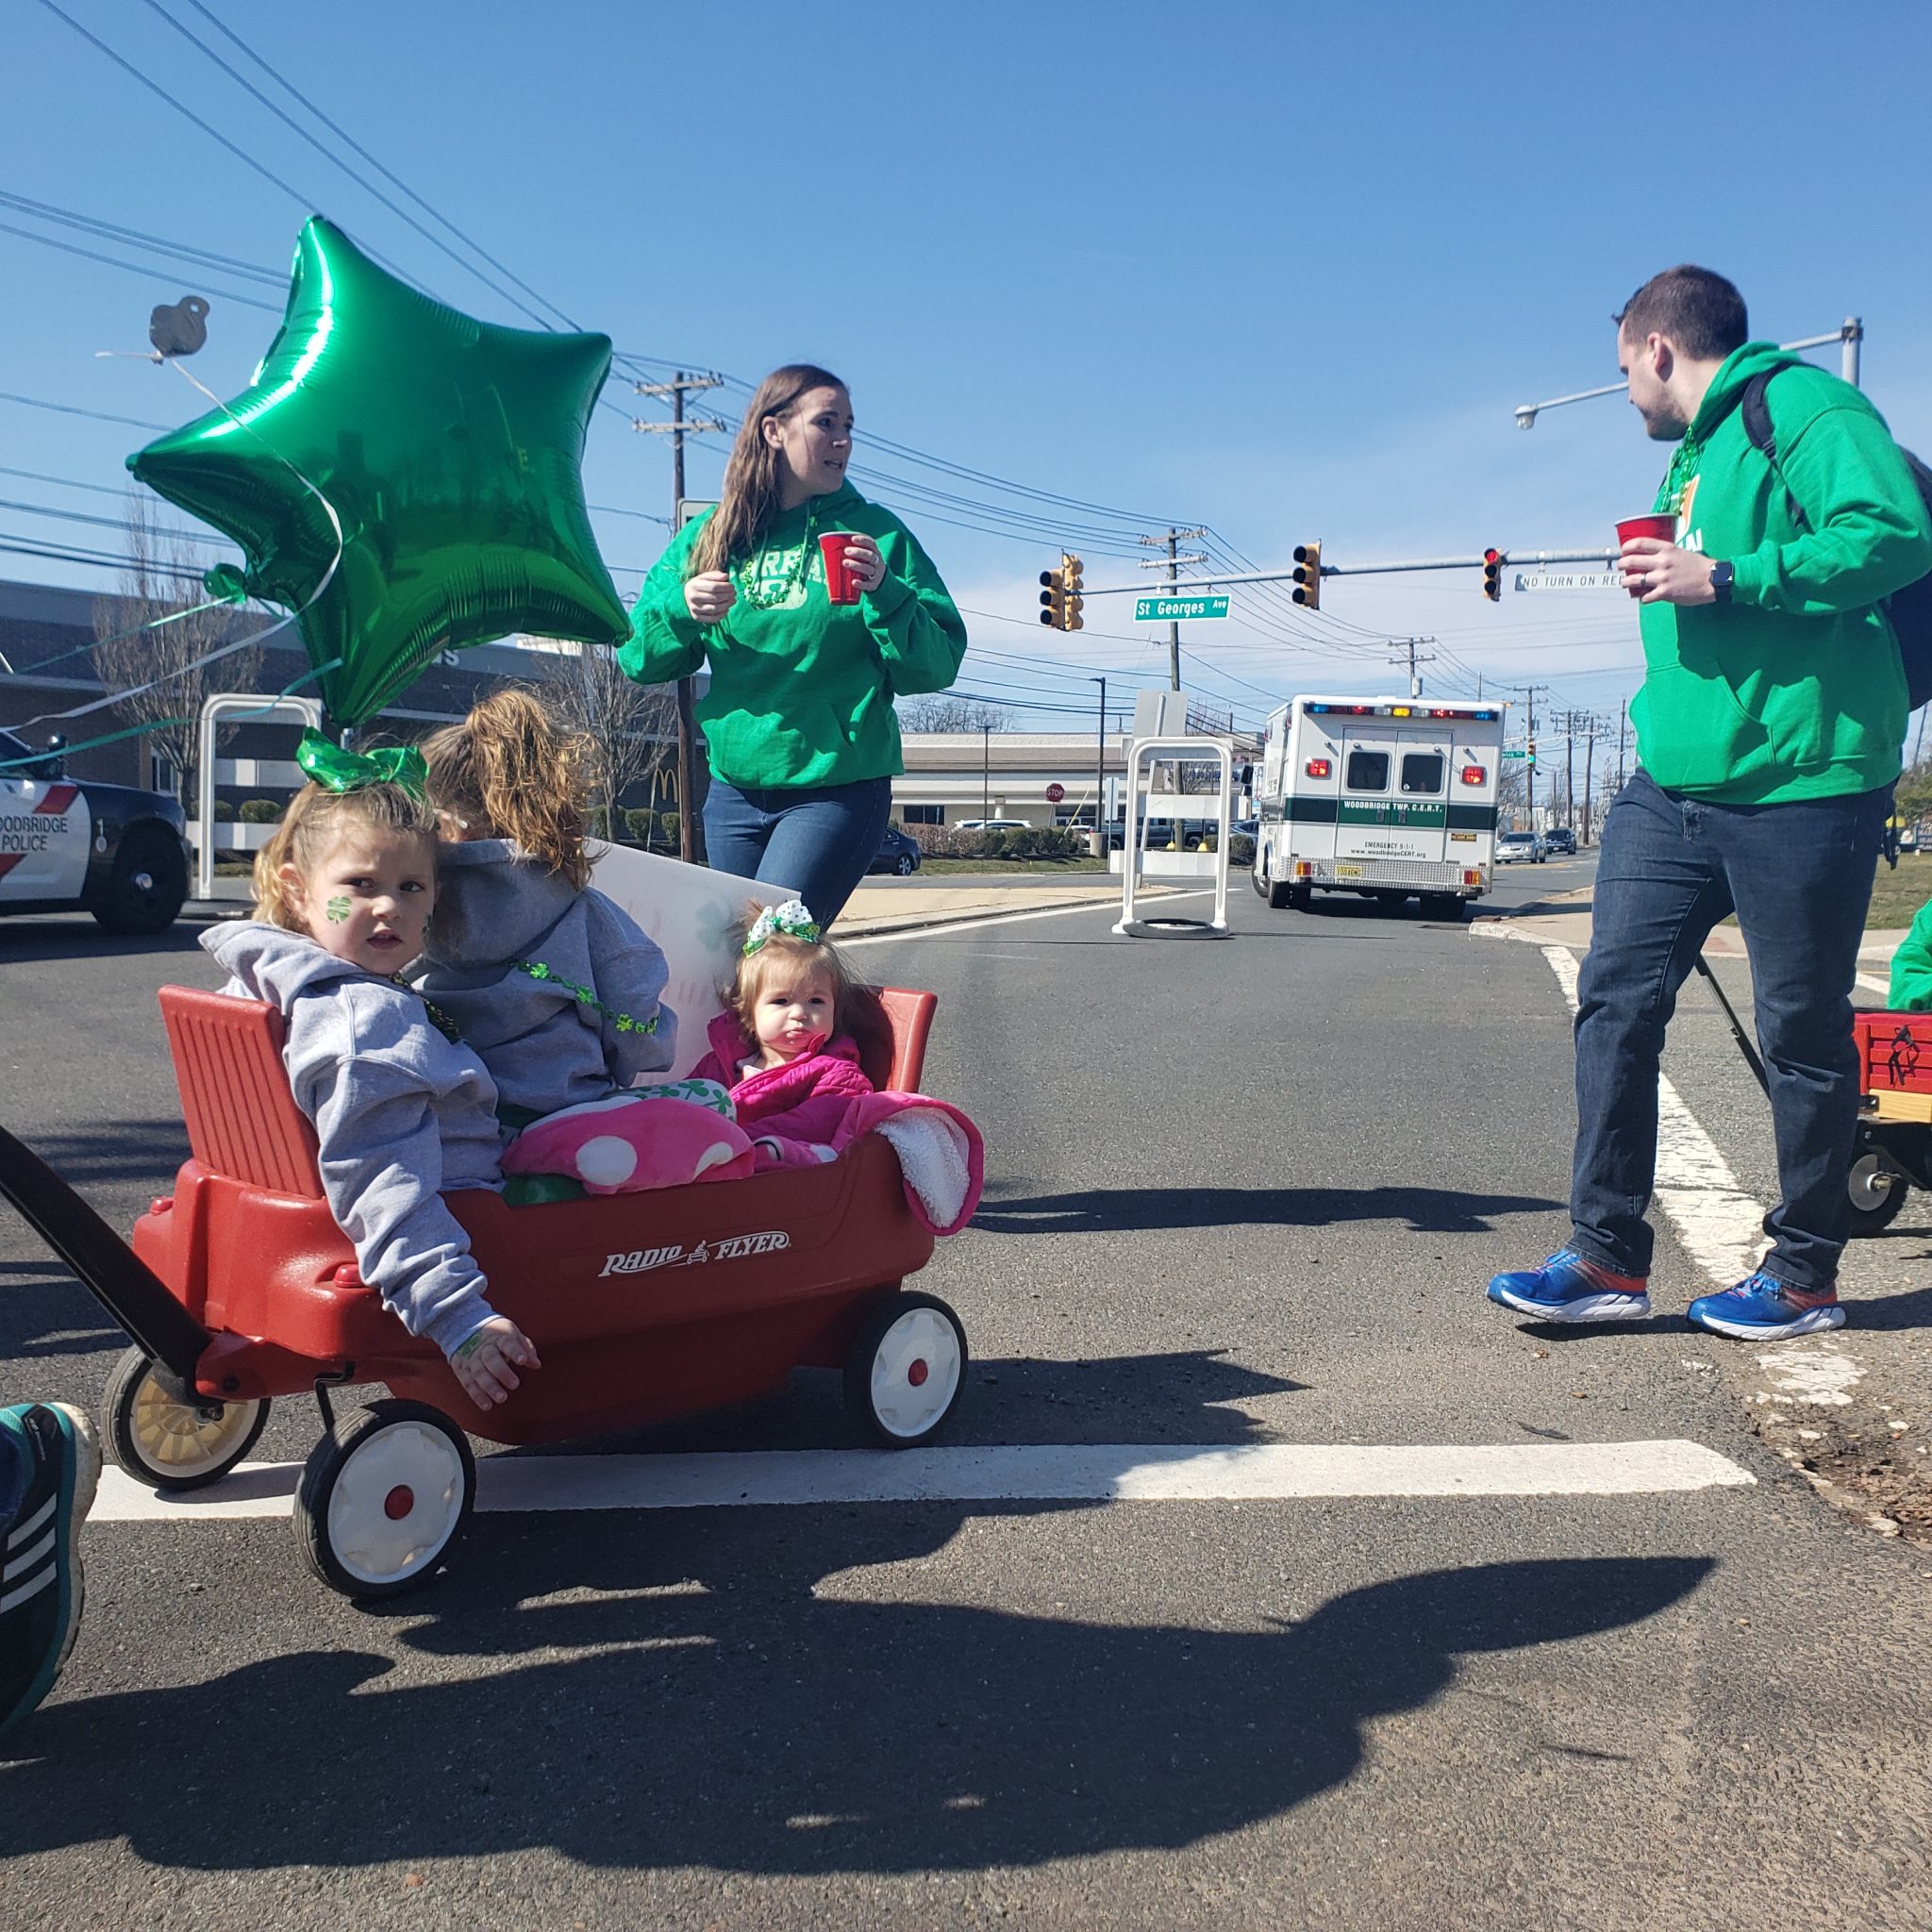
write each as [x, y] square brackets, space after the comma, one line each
[253, 637]
[121, 637]
[288, 690]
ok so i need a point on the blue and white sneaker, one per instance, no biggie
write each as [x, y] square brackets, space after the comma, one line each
[1569, 1288]
[1762, 1309]
[48, 1468]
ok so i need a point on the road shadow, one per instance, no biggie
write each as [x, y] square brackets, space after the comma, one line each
[717, 1712]
[48, 940]
[1109, 1211]
[106, 1151]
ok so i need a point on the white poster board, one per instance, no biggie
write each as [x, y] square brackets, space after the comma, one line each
[690, 911]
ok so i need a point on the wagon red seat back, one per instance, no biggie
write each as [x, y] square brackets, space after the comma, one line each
[241, 1119]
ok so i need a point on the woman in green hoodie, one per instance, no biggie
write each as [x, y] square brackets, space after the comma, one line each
[803, 737]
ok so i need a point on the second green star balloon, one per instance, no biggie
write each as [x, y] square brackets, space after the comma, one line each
[448, 449]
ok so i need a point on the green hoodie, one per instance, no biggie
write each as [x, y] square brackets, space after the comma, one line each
[801, 693]
[1793, 690]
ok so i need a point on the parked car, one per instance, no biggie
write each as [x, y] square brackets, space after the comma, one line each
[1560, 839]
[1517, 848]
[898, 851]
[75, 844]
[992, 826]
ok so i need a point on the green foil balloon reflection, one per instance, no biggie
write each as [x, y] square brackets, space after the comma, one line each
[449, 449]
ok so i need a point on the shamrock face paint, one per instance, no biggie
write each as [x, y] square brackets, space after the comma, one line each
[367, 898]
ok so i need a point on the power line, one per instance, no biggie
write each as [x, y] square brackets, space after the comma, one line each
[69, 409]
[132, 267]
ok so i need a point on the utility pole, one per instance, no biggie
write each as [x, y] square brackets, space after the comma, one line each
[1172, 563]
[1415, 683]
[1588, 797]
[1100, 773]
[677, 428]
[1529, 692]
[1622, 719]
[1570, 770]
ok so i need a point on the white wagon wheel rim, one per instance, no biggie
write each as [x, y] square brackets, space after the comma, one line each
[395, 1502]
[179, 1440]
[915, 1371]
[1869, 1182]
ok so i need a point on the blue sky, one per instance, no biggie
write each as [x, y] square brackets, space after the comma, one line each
[1275, 269]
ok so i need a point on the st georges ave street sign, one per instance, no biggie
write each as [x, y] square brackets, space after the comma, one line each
[1178, 609]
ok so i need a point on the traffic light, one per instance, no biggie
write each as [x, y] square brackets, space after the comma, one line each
[1060, 596]
[1052, 599]
[1492, 576]
[1532, 752]
[1308, 575]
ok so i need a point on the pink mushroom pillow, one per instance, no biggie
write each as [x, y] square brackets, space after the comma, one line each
[628, 1143]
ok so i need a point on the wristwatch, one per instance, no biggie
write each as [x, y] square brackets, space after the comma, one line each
[1721, 575]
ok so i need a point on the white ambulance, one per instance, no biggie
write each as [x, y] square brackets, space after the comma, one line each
[1392, 798]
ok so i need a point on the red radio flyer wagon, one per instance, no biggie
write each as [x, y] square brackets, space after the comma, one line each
[240, 1288]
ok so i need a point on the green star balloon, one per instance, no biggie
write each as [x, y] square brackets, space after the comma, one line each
[449, 449]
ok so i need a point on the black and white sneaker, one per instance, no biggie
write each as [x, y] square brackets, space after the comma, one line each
[49, 1465]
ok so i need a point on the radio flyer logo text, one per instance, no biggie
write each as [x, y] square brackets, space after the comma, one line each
[734, 1247]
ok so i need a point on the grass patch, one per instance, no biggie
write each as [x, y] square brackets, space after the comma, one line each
[939, 866]
[1897, 896]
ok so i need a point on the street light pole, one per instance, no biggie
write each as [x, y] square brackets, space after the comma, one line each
[985, 770]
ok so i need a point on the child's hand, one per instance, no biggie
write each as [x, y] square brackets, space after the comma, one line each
[483, 1361]
[710, 596]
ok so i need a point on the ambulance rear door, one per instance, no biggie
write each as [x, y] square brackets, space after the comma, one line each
[1394, 800]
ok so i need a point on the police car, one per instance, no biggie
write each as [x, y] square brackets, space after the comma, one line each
[70, 845]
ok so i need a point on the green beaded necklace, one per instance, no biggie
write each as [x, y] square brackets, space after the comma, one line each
[793, 578]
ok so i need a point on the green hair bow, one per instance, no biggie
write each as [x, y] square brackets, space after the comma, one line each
[792, 919]
[336, 769]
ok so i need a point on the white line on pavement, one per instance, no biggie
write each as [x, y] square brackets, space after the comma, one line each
[973, 924]
[1105, 1472]
[1719, 1225]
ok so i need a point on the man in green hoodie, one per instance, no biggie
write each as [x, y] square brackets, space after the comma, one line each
[1768, 729]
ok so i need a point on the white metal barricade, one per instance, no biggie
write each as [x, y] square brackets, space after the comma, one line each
[1143, 754]
[232, 703]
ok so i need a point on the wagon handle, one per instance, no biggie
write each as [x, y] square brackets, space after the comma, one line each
[1738, 1033]
[117, 1277]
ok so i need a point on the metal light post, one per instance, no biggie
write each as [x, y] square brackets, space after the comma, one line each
[1100, 773]
[985, 770]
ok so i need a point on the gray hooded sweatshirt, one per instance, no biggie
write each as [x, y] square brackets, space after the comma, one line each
[498, 913]
[400, 1114]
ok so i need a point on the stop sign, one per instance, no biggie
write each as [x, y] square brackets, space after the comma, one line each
[1055, 793]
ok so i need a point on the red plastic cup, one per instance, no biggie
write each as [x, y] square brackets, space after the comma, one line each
[842, 587]
[1664, 527]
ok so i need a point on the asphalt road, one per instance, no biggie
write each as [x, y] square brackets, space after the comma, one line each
[1240, 1192]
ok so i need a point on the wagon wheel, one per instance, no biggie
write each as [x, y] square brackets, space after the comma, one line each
[1874, 1193]
[383, 1495]
[906, 1370]
[170, 1444]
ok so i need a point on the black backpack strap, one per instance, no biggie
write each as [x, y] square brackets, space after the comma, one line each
[1756, 415]
[1755, 412]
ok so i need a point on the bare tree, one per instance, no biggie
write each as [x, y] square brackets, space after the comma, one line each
[942, 711]
[161, 579]
[633, 728]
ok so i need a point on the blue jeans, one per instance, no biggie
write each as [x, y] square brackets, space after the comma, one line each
[1799, 878]
[818, 839]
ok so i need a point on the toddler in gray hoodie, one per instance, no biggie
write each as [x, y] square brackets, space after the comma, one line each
[401, 1110]
[555, 986]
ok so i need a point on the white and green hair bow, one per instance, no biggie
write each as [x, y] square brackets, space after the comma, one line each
[794, 919]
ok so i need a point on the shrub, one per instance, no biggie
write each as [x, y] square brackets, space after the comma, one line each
[637, 823]
[1241, 848]
[224, 809]
[668, 823]
[259, 811]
